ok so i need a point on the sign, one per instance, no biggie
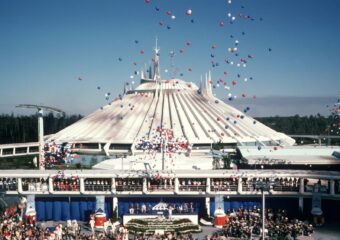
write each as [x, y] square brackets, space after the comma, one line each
[100, 203]
[30, 202]
[316, 204]
[219, 202]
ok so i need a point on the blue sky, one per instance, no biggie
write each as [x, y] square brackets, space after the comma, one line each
[46, 45]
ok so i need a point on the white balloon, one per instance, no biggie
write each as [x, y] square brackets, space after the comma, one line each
[173, 17]
[229, 14]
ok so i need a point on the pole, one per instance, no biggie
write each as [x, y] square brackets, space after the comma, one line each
[263, 214]
[41, 139]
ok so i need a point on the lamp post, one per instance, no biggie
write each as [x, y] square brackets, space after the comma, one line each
[264, 186]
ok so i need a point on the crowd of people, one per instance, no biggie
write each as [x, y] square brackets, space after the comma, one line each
[35, 184]
[98, 184]
[195, 184]
[224, 184]
[65, 183]
[245, 224]
[14, 227]
[160, 184]
[129, 184]
[8, 184]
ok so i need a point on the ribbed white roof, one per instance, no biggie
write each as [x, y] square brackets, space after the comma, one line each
[190, 111]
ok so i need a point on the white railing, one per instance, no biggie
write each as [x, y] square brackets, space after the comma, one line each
[14, 184]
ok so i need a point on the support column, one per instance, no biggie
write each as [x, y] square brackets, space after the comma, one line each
[145, 187]
[239, 185]
[113, 185]
[176, 185]
[41, 139]
[207, 205]
[115, 206]
[301, 205]
[19, 185]
[208, 188]
[302, 185]
[332, 186]
[82, 185]
[50, 184]
[263, 215]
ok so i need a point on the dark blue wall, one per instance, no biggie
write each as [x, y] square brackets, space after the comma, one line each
[65, 208]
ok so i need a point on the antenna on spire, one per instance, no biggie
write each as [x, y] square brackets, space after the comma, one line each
[156, 75]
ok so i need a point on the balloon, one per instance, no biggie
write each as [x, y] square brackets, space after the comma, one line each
[141, 51]
[157, 9]
[269, 49]
[221, 24]
[80, 78]
[168, 13]
[136, 41]
[229, 14]
[98, 87]
[188, 43]
[234, 82]
[192, 20]
[120, 59]
[188, 12]
[181, 50]
[168, 27]
[161, 23]
[173, 17]
[147, 1]
[213, 46]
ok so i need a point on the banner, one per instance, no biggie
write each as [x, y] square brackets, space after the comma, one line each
[30, 204]
[219, 203]
[100, 203]
[316, 204]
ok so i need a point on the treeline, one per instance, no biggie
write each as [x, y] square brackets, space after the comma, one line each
[309, 125]
[17, 129]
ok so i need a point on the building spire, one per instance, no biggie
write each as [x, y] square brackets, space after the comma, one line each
[156, 70]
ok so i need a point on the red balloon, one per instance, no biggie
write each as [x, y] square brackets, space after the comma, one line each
[221, 24]
[234, 82]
